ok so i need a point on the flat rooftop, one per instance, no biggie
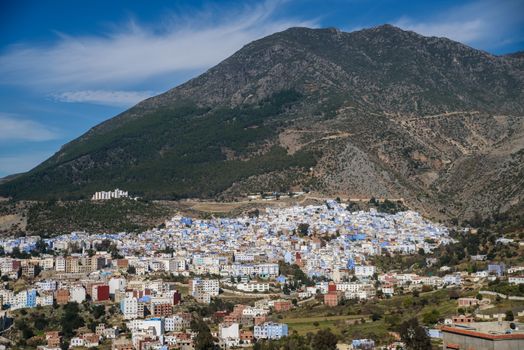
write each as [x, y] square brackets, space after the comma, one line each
[488, 330]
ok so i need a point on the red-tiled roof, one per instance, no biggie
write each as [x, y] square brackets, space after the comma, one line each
[476, 334]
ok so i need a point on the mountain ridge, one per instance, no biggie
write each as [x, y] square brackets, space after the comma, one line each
[377, 112]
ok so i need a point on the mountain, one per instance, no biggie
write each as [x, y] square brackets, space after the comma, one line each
[9, 178]
[379, 112]
[518, 54]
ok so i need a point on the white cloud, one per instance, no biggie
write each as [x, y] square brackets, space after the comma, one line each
[465, 32]
[104, 97]
[486, 24]
[19, 129]
[134, 52]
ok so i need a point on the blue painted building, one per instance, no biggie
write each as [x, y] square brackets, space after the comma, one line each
[30, 298]
[270, 330]
[363, 344]
[497, 269]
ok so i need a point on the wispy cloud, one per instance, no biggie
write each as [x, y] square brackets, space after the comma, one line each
[487, 24]
[465, 32]
[135, 52]
[15, 128]
[104, 97]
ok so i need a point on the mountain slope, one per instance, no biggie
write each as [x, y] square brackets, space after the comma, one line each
[378, 112]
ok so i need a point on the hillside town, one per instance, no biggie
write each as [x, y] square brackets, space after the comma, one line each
[148, 287]
[262, 175]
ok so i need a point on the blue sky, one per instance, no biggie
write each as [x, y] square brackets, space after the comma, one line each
[66, 66]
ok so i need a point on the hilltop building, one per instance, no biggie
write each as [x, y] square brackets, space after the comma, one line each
[103, 195]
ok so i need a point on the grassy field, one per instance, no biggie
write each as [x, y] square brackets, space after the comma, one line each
[183, 289]
[502, 306]
[312, 324]
[241, 299]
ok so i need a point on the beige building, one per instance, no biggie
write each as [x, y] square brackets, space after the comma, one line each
[60, 264]
[483, 336]
[72, 264]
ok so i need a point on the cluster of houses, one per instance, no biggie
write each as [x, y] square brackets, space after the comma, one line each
[229, 246]
[328, 243]
[235, 326]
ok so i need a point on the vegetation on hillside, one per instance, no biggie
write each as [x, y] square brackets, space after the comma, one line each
[323, 339]
[117, 215]
[169, 153]
[376, 112]
[70, 319]
[506, 288]
[372, 319]
[386, 206]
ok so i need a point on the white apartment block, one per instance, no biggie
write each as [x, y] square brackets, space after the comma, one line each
[177, 265]
[516, 280]
[77, 294]
[104, 195]
[8, 296]
[47, 263]
[131, 308]
[229, 332]
[515, 269]
[364, 271]
[388, 290]
[253, 287]
[157, 324]
[352, 287]
[117, 284]
[46, 286]
[267, 269]
[210, 287]
[244, 257]
[60, 264]
[44, 300]
[176, 323]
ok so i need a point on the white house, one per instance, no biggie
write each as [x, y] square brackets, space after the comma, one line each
[231, 332]
[77, 294]
[516, 280]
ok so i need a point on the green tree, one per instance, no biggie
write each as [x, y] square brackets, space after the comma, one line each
[71, 319]
[286, 290]
[98, 311]
[40, 322]
[303, 229]
[375, 316]
[324, 339]
[204, 339]
[27, 333]
[431, 317]
[40, 247]
[414, 336]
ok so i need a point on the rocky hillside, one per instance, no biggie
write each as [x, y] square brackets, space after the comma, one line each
[379, 112]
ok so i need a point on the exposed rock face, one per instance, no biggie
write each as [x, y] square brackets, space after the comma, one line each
[379, 112]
